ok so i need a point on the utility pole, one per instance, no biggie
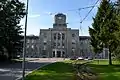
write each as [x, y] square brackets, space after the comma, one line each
[24, 45]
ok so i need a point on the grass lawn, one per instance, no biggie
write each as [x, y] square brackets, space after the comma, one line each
[56, 71]
[105, 71]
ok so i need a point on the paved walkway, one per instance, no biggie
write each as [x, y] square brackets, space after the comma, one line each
[14, 70]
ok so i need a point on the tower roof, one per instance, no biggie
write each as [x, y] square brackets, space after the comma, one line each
[60, 14]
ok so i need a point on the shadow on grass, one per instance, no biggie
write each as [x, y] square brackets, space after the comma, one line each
[55, 71]
[107, 72]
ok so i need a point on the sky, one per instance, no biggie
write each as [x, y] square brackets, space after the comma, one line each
[41, 14]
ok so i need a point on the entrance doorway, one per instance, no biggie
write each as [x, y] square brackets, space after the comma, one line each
[58, 53]
[63, 54]
[53, 53]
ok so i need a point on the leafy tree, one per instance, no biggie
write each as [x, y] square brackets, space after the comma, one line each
[104, 28]
[11, 12]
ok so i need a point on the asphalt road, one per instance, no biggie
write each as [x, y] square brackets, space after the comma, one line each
[13, 71]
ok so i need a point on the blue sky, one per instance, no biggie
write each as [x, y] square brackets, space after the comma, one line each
[41, 14]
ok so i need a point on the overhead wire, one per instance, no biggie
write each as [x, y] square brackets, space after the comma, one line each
[89, 11]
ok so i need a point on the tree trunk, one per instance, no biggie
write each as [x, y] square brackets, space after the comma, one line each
[110, 59]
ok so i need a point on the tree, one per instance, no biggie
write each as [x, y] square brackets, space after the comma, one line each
[105, 26]
[11, 12]
[116, 52]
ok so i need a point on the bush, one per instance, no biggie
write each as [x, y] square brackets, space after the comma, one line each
[3, 58]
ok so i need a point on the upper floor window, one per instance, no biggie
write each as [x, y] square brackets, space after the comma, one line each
[63, 44]
[73, 35]
[33, 41]
[54, 36]
[63, 36]
[45, 35]
[58, 44]
[28, 41]
[54, 44]
[73, 42]
[59, 36]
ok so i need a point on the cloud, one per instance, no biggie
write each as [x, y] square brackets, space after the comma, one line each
[34, 16]
[50, 14]
[23, 0]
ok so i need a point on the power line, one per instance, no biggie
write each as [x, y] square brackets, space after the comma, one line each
[83, 8]
[80, 8]
[89, 11]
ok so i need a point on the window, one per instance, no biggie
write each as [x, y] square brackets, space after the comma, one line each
[44, 35]
[54, 44]
[59, 36]
[58, 44]
[54, 36]
[63, 45]
[63, 36]
[33, 41]
[28, 46]
[73, 42]
[28, 41]
[45, 43]
[73, 35]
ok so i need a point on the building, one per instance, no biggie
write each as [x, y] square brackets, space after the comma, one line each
[59, 41]
[32, 46]
[85, 47]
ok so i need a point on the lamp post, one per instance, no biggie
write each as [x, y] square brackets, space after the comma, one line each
[24, 46]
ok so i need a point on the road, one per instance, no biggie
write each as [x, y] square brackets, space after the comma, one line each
[14, 70]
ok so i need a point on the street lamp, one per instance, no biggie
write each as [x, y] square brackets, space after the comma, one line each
[24, 45]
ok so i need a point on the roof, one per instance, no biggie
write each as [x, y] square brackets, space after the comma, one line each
[60, 14]
[32, 37]
[84, 37]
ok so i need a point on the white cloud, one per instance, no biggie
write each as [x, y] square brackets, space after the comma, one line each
[50, 14]
[34, 16]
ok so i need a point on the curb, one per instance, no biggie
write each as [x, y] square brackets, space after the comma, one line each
[20, 78]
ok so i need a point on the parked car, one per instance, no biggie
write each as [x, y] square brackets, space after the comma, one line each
[88, 58]
[80, 58]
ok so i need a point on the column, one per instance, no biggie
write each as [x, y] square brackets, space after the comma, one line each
[55, 53]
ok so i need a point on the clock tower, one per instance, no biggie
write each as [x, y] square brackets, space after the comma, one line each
[60, 20]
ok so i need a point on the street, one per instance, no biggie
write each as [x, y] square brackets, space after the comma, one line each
[13, 71]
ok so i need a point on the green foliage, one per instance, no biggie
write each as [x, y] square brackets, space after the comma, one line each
[104, 28]
[11, 12]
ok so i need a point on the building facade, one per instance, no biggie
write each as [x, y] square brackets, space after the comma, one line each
[32, 46]
[59, 41]
[85, 46]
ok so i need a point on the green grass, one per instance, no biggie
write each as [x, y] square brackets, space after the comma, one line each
[56, 71]
[65, 71]
[105, 71]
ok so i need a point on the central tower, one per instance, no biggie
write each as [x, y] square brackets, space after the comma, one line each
[60, 21]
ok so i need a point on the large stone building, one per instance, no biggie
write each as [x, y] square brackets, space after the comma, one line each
[59, 41]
